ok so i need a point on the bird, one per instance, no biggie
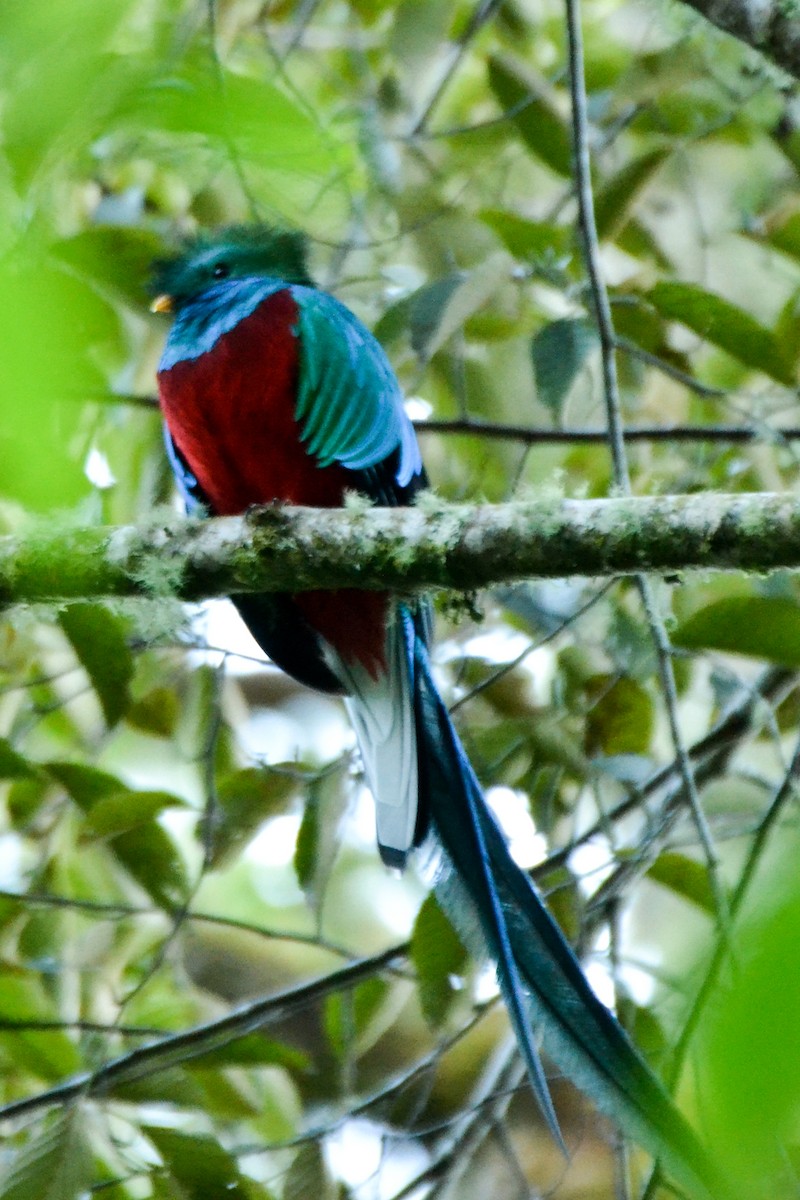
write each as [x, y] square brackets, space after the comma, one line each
[273, 391]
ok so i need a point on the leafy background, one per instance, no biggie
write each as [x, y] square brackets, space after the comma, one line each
[184, 829]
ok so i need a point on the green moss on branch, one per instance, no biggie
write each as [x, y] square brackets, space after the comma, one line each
[433, 545]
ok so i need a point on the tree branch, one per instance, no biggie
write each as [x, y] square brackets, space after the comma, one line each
[432, 545]
[177, 1048]
[771, 26]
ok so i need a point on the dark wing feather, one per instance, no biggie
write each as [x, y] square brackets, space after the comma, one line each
[274, 620]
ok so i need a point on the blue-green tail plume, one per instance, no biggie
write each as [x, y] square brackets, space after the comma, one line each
[483, 890]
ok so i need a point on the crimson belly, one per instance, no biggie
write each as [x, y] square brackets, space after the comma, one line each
[231, 416]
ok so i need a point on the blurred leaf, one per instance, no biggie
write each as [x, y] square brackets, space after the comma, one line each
[86, 785]
[200, 712]
[787, 328]
[621, 719]
[64, 82]
[426, 309]
[121, 811]
[248, 119]
[439, 957]
[747, 1048]
[155, 713]
[14, 765]
[538, 122]
[254, 1050]
[47, 1054]
[723, 324]
[151, 857]
[144, 849]
[99, 640]
[527, 239]
[781, 229]
[318, 838]
[349, 1016]
[615, 200]
[308, 1176]
[118, 258]
[686, 877]
[760, 626]
[198, 1163]
[645, 1029]
[26, 797]
[418, 31]
[440, 308]
[245, 800]
[54, 327]
[559, 351]
[54, 1163]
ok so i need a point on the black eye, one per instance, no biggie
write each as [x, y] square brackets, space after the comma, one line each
[221, 271]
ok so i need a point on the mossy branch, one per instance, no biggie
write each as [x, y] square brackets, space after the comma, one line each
[432, 545]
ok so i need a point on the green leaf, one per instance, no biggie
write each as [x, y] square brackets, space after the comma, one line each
[437, 310]
[438, 956]
[245, 800]
[759, 626]
[198, 1163]
[143, 848]
[54, 1163]
[615, 200]
[318, 838]
[118, 258]
[781, 231]
[98, 639]
[724, 325]
[308, 1176]
[747, 1048]
[151, 857]
[63, 82]
[85, 785]
[246, 116]
[686, 877]
[121, 811]
[55, 328]
[254, 1050]
[538, 122]
[621, 719]
[47, 1054]
[559, 351]
[350, 1016]
[527, 239]
[426, 309]
[155, 713]
[12, 764]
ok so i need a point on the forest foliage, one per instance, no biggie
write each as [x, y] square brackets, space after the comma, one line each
[183, 829]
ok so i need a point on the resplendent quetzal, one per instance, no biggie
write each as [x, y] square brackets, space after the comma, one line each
[273, 391]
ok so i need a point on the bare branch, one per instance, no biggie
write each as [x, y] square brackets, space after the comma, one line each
[177, 1048]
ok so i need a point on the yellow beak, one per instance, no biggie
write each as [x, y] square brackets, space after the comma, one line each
[162, 304]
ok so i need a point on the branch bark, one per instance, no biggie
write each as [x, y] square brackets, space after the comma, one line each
[770, 26]
[432, 545]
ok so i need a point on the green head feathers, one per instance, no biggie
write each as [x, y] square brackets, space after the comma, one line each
[234, 252]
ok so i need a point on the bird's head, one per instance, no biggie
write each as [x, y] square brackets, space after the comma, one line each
[236, 252]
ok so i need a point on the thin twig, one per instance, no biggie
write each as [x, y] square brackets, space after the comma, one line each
[181, 1047]
[708, 752]
[605, 326]
[98, 907]
[482, 13]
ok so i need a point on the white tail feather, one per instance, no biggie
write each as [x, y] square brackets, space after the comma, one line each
[382, 713]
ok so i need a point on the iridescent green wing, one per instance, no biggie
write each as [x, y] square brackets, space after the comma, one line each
[349, 403]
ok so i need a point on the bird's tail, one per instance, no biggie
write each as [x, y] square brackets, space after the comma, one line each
[485, 893]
